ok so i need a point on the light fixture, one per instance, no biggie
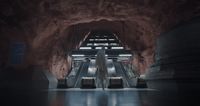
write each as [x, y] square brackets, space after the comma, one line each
[91, 39]
[85, 48]
[100, 39]
[78, 55]
[100, 44]
[89, 44]
[125, 55]
[117, 47]
[113, 44]
[98, 48]
[111, 39]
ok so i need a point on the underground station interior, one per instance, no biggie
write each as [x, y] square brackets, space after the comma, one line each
[99, 53]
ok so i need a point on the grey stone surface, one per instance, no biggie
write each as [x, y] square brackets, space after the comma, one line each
[177, 66]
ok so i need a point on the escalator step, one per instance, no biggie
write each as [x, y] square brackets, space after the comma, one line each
[115, 82]
[88, 82]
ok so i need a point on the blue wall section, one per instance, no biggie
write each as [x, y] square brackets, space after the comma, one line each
[17, 52]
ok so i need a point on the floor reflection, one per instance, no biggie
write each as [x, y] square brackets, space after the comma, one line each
[85, 97]
[98, 98]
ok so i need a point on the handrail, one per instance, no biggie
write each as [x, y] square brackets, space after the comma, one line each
[78, 74]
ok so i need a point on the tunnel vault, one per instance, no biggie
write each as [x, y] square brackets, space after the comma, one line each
[49, 29]
[74, 35]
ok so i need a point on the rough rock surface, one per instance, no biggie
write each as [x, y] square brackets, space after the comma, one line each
[51, 28]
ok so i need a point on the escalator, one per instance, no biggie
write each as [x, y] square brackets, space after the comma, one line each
[82, 73]
[120, 72]
[89, 79]
[132, 78]
[73, 79]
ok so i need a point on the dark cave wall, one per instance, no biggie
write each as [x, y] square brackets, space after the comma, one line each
[48, 26]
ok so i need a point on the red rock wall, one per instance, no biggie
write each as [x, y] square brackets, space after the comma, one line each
[51, 28]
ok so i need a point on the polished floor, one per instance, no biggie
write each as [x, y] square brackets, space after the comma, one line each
[22, 91]
[97, 97]
[88, 97]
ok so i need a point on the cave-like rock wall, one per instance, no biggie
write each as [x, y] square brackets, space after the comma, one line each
[51, 28]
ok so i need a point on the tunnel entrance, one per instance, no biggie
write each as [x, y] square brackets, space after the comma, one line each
[115, 63]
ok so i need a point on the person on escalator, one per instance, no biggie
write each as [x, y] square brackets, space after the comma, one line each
[102, 72]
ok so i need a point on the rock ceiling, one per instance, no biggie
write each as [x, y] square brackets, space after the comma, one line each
[49, 27]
